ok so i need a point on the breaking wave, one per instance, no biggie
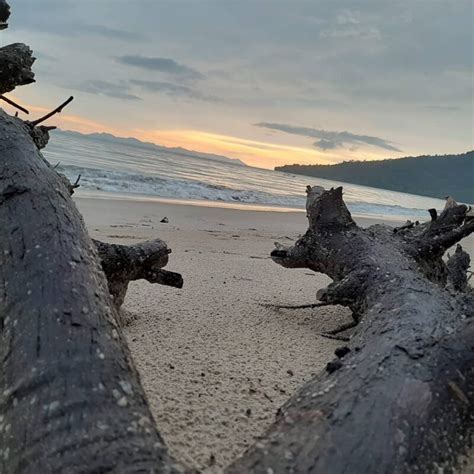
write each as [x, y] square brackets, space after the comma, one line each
[109, 164]
[139, 184]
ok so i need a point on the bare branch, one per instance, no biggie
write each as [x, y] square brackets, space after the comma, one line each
[14, 104]
[70, 186]
[298, 306]
[447, 240]
[144, 260]
[408, 225]
[76, 183]
[163, 277]
[57, 110]
[433, 213]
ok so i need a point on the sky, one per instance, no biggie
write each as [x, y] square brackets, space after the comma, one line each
[269, 82]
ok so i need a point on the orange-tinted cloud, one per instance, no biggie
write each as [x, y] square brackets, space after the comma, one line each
[255, 153]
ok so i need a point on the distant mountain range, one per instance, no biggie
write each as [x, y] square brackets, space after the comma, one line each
[109, 138]
[435, 176]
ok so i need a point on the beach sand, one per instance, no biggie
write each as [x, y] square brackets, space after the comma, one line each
[214, 362]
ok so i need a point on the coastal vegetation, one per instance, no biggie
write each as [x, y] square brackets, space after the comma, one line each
[435, 176]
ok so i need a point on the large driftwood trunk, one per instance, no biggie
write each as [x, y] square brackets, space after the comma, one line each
[70, 398]
[401, 398]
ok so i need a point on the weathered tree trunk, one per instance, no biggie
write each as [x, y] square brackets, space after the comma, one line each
[401, 398]
[70, 398]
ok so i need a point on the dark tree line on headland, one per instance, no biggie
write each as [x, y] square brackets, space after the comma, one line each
[435, 176]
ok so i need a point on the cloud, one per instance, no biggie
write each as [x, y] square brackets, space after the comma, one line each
[350, 60]
[166, 65]
[109, 89]
[328, 140]
[348, 25]
[108, 32]
[176, 90]
[39, 55]
[69, 29]
[352, 32]
[441, 108]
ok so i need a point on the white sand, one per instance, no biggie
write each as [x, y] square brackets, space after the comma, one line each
[215, 364]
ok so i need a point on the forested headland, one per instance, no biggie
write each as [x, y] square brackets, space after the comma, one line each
[435, 176]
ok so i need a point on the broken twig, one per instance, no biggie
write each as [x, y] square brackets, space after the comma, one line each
[299, 306]
[14, 104]
[57, 110]
[76, 183]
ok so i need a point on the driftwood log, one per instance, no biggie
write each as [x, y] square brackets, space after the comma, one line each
[400, 397]
[143, 261]
[70, 397]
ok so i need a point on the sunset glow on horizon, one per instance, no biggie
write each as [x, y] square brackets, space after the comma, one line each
[255, 153]
[300, 82]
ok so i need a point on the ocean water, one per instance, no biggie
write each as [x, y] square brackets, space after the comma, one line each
[134, 171]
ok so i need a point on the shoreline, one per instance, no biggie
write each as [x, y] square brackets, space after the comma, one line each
[292, 219]
[240, 206]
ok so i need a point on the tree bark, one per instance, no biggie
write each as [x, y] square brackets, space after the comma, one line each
[70, 397]
[15, 67]
[400, 399]
[4, 14]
